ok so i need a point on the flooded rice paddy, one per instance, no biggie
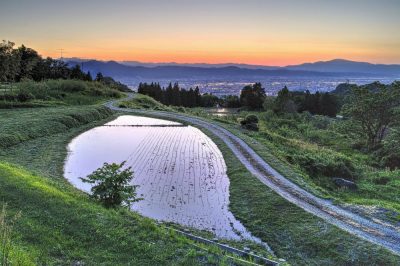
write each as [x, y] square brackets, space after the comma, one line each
[180, 171]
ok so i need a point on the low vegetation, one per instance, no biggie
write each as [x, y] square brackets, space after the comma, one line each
[250, 122]
[111, 185]
[20, 125]
[9, 253]
[141, 101]
[55, 92]
[62, 226]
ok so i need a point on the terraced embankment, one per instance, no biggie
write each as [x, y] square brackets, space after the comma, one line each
[348, 221]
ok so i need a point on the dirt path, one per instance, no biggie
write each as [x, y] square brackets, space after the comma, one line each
[344, 219]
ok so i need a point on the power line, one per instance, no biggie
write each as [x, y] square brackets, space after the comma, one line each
[62, 51]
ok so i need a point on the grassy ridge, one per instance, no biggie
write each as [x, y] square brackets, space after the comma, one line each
[61, 226]
[21, 125]
[55, 92]
[141, 101]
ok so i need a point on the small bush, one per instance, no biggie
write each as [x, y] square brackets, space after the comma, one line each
[250, 122]
[111, 185]
[181, 109]
[320, 164]
[251, 119]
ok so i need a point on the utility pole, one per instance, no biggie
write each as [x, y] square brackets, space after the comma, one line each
[61, 53]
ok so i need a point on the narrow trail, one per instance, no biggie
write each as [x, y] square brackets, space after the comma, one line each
[344, 219]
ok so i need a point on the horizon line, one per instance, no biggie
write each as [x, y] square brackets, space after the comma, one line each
[224, 63]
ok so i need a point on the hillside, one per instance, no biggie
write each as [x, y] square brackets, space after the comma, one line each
[117, 70]
[347, 66]
[333, 68]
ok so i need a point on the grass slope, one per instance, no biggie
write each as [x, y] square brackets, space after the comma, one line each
[61, 225]
[141, 101]
[20, 125]
[55, 92]
[292, 233]
[311, 164]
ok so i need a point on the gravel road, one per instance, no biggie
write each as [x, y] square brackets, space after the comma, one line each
[344, 219]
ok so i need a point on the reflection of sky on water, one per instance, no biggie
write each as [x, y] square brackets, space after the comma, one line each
[181, 173]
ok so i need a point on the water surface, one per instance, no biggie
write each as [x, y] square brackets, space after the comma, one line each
[180, 171]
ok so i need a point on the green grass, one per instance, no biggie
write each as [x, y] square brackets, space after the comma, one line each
[311, 150]
[293, 234]
[60, 225]
[141, 101]
[30, 94]
[21, 125]
[316, 155]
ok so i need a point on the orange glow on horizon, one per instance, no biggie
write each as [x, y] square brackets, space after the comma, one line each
[275, 33]
[264, 59]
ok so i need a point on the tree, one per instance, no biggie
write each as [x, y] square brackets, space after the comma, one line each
[99, 76]
[253, 96]
[209, 100]
[284, 102]
[76, 73]
[29, 58]
[88, 76]
[232, 101]
[268, 103]
[329, 105]
[111, 185]
[9, 61]
[43, 69]
[374, 112]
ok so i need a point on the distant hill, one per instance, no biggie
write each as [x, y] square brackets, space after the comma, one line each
[346, 66]
[345, 88]
[118, 70]
[333, 68]
[204, 65]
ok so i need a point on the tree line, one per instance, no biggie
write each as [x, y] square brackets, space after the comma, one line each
[23, 63]
[176, 96]
[297, 102]
[255, 98]
[17, 64]
[252, 97]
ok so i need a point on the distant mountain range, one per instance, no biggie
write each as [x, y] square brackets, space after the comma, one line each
[138, 70]
[346, 66]
[204, 65]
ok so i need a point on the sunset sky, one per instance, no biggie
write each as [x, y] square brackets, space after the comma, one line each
[218, 31]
